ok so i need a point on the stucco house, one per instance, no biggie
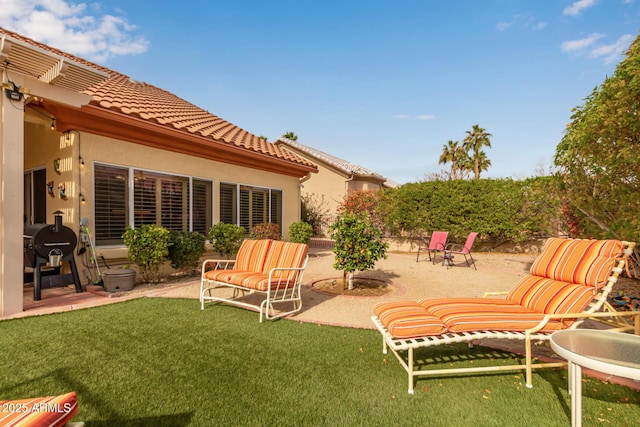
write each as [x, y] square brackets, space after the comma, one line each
[336, 177]
[111, 152]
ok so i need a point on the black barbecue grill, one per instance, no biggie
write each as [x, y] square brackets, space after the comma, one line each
[46, 246]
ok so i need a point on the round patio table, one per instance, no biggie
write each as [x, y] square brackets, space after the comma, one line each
[613, 353]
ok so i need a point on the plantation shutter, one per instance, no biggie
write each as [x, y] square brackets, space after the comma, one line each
[259, 211]
[110, 204]
[145, 210]
[245, 208]
[172, 204]
[276, 207]
[202, 199]
[228, 203]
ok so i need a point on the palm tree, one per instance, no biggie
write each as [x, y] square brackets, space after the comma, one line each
[456, 154]
[290, 136]
[477, 138]
[483, 162]
[450, 153]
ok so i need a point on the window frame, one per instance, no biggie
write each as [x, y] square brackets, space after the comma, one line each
[187, 209]
[273, 210]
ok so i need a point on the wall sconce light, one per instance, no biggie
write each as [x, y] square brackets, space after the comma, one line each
[82, 199]
[81, 162]
[53, 123]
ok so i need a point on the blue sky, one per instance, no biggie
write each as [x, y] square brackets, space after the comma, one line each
[384, 84]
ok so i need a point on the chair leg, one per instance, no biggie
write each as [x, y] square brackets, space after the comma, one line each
[473, 262]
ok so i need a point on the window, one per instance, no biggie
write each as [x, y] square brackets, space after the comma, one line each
[174, 202]
[248, 206]
[202, 202]
[110, 195]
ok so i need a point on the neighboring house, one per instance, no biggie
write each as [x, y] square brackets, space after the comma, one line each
[112, 153]
[336, 177]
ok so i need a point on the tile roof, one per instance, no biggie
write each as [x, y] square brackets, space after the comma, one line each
[121, 94]
[336, 162]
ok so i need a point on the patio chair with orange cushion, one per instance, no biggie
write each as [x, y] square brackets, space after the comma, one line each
[437, 242]
[271, 270]
[454, 249]
[568, 282]
[51, 411]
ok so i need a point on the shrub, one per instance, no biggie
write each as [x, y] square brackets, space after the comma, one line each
[226, 238]
[266, 230]
[148, 248]
[185, 250]
[300, 232]
[314, 211]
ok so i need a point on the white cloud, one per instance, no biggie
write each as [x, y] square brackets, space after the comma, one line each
[589, 46]
[539, 26]
[71, 28]
[580, 44]
[502, 26]
[612, 52]
[578, 7]
[521, 21]
[420, 117]
[426, 117]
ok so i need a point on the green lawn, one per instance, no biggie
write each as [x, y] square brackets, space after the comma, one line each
[164, 362]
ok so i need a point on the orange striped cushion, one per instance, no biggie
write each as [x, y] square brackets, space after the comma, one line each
[249, 279]
[252, 254]
[481, 314]
[285, 255]
[551, 296]
[406, 319]
[226, 276]
[42, 412]
[586, 262]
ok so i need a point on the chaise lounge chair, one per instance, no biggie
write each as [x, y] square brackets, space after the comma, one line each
[437, 242]
[51, 411]
[568, 282]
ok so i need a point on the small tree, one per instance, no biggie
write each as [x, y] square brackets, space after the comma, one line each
[226, 238]
[358, 244]
[147, 248]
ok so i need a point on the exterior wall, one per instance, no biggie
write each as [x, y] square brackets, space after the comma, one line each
[43, 146]
[328, 183]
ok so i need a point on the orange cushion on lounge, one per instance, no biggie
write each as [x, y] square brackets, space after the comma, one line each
[586, 262]
[479, 314]
[551, 296]
[406, 319]
[52, 411]
[252, 254]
